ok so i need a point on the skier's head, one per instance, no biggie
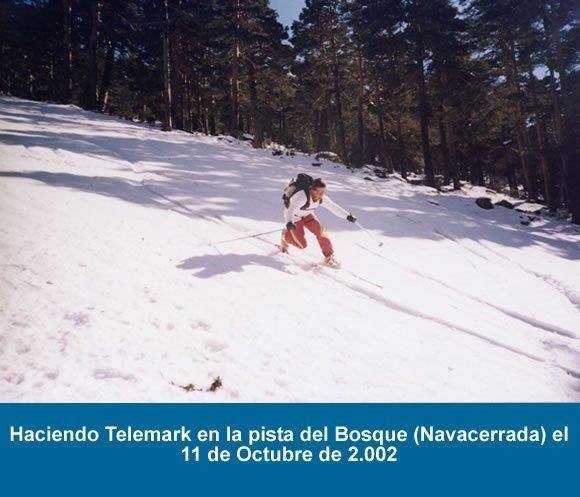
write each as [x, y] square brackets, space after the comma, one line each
[317, 189]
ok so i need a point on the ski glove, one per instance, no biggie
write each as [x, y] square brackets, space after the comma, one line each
[351, 218]
[290, 226]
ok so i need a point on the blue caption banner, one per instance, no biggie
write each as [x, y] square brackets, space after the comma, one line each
[282, 449]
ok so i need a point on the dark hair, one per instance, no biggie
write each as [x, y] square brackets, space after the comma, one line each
[317, 183]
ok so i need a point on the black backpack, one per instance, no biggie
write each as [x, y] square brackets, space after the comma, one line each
[302, 182]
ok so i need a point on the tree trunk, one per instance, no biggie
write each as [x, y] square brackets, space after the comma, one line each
[511, 178]
[544, 162]
[90, 100]
[211, 110]
[167, 121]
[559, 124]
[338, 101]
[474, 160]
[66, 85]
[192, 93]
[256, 118]
[569, 160]
[519, 118]
[234, 93]
[402, 147]
[107, 75]
[424, 115]
[523, 147]
[428, 164]
[451, 144]
[444, 147]
[360, 109]
[316, 128]
[186, 104]
[541, 141]
[175, 57]
[558, 118]
[198, 112]
[52, 85]
[383, 144]
[322, 130]
[571, 169]
[235, 121]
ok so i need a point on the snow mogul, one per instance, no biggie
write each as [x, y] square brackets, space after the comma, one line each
[301, 198]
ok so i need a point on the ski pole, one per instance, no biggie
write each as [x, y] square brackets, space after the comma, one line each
[369, 233]
[246, 237]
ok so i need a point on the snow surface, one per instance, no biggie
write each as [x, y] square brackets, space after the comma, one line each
[116, 283]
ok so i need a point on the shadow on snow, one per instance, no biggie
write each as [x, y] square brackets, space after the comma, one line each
[213, 178]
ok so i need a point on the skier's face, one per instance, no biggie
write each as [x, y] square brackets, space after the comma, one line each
[317, 193]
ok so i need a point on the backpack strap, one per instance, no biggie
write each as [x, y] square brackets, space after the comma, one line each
[307, 193]
[307, 204]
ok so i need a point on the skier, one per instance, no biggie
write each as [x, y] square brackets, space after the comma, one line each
[301, 198]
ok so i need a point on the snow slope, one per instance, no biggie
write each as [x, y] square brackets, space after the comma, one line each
[114, 285]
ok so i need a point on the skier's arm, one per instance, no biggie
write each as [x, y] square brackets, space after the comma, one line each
[333, 207]
[296, 201]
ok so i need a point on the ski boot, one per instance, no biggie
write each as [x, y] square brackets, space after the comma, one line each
[283, 247]
[331, 261]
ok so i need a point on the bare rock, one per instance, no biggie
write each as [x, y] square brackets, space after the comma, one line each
[484, 203]
[505, 203]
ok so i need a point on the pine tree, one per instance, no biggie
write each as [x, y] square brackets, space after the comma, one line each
[66, 52]
[449, 54]
[487, 94]
[320, 40]
[374, 25]
[503, 26]
[167, 118]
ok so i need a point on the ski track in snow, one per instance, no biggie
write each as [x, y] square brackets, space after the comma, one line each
[545, 348]
[373, 295]
[559, 286]
[528, 320]
[328, 273]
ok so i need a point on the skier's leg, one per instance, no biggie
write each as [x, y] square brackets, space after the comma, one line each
[296, 236]
[316, 228]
